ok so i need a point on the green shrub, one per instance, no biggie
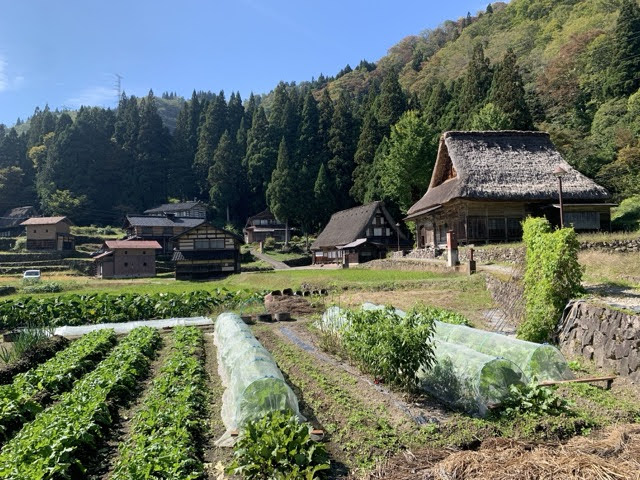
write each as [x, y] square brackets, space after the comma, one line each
[269, 243]
[278, 447]
[552, 277]
[20, 245]
[388, 346]
[441, 314]
[45, 287]
[626, 216]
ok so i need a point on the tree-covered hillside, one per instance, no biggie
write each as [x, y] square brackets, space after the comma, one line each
[306, 150]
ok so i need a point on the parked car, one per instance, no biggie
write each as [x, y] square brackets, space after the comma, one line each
[31, 275]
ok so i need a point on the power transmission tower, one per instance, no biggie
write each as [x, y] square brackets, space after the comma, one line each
[118, 86]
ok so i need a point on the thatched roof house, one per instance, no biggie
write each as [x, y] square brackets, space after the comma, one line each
[10, 222]
[263, 225]
[484, 183]
[357, 235]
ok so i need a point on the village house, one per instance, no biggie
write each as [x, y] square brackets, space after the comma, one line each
[485, 183]
[262, 226]
[127, 259]
[11, 221]
[357, 235]
[192, 209]
[49, 233]
[159, 228]
[206, 251]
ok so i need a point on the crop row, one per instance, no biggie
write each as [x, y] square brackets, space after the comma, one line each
[56, 442]
[165, 429]
[21, 400]
[105, 308]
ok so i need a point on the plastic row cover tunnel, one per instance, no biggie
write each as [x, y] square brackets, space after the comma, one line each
[537, 361]
[469, 380]
[254, 386]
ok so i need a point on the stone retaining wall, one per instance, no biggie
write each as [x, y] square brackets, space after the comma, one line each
[610, 338]
[509, 296]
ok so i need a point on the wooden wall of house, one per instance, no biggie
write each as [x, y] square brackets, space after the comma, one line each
[206, 237]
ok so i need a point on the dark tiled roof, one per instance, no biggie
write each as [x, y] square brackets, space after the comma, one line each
[151, 221]
[503, 165]
[349, 225]
[173, 207]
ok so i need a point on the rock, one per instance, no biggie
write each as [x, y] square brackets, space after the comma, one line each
[587, 338]
[587, 352]
[623, 366]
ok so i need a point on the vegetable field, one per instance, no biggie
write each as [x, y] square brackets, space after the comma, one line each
[149, 405]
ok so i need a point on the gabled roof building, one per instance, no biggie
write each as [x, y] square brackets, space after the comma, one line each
[49, 233]
[485, 183]
[11, 220]
[159, 228]
[262, 226]
[127, 259]
[357, 235]
[191, 209]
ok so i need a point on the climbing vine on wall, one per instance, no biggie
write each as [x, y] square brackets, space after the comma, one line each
[552, 277]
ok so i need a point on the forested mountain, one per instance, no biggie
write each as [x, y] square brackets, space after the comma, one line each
[565, 66]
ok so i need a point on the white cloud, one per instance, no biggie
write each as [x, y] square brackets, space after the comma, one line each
[93, 96]
[4, 78]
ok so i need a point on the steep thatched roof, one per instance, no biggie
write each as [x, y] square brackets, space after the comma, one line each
[349, 225]
[503, 166]
[174, 207]
[15, 216]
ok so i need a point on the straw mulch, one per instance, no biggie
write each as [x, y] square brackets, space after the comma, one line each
[296, 306]
[612, 455]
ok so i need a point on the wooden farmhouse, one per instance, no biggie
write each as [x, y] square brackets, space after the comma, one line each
[357, 235]
[127, 259]
[262, 226]
[206, 251]
[49, 233]
[485, 183]
[159, 228]
[194, 209]
[11, 220]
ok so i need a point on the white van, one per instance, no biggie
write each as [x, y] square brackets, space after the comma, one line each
[31, 275]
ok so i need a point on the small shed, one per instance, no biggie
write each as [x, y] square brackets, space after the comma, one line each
[127, 259]
[49, 233]
[206, 251]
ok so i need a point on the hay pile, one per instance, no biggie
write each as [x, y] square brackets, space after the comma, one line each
[613, 455]
[295, 305]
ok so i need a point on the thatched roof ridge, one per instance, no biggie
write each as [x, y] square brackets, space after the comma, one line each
[503, 165]
[349, 225]
[174, 207]
[14, 216]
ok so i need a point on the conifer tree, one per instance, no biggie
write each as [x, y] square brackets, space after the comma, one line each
[281, 193]
[224, 179]
[507, 93]
[325, 112]
[391, 102]
[235, 114]
[370, 137]
[324, 201]
[475, 85]
[342, 146]
[626, 58]
[185, 144]
[210, 132]
[310, 143]
[260, 159]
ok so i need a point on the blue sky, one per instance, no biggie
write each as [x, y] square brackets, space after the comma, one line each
[66, 53]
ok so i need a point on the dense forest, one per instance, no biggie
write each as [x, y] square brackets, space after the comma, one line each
[568, 67]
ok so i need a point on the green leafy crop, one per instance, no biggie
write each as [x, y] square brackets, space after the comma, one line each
[533, 400]
[52, 445]
[278, 447]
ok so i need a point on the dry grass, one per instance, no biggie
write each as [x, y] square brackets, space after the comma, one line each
[605, 267]
[613, 455]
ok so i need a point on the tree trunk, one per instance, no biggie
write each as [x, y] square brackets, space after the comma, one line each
[286, 233]
[228, 221]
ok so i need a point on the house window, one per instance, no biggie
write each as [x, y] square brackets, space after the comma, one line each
[477, 228]
[126, 264]
[201, 244]
[144, 264]
[126, 252]
[388, 232]
[147, 230]
[167, 231]
[377, 232]
[143, 252]
[583, 220]
[217, 243]
[514, 228]
[34, 230]
[46, 230]
[497, 228]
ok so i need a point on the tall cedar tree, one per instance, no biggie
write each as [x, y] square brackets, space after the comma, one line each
[235, 114]
[324, 201]
[342, 146]
[325, 111]
[475, 85]
[391, 102]
[215, 119]
[281, 193]
[185, 144]
[260, 159]
[436, 106]
[626, 58]
[507, 93]
[224, 179]
[154, 145]
[370, 136]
